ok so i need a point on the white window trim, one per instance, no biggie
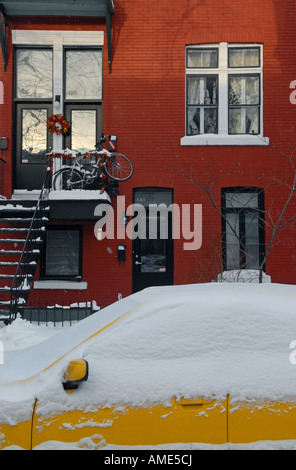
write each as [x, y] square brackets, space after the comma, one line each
[69, 38]
[223, 138]
[57, 40]
[56, 285]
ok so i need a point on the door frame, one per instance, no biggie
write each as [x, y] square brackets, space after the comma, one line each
[153, 195]
[58, 41]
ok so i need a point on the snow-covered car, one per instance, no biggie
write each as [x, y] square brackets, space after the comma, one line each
[208, 363]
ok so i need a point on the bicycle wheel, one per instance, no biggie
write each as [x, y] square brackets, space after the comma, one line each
[119, 167]
[68, 179]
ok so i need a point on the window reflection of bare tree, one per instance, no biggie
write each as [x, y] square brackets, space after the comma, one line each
[34, 132]
[34, 77]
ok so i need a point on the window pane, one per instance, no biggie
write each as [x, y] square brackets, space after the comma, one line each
[242, 225]
[252, 241]
[244, 120]
[83, 74]
[248, 57]
[242, 199]
[194, 91]
[202, 121]
[34, 135]
[244, 90]
[193, 121]
[34, 73]
[153, 256]
[210, 121]
[232, 241]
[83, 129]
[62, 253]
[202, 90]
[198, 58]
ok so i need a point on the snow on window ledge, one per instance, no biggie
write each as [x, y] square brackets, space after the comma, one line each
[69, 285]
[243, 275]
[78, 194]
[216, 139]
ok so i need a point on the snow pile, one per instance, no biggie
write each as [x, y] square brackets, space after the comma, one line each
[88, 443]
[23, 334]
[12, 206]
[197, 340]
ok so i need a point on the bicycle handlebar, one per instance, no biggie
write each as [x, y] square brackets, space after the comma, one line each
[101, 141]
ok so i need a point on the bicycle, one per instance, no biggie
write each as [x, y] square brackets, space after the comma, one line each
[117, 166]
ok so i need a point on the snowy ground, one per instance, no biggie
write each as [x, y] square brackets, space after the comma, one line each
[23, 334]
[249, 327]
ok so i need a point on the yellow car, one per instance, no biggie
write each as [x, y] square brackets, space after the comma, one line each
[208, 363]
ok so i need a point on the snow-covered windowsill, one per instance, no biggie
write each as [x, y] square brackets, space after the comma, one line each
[219, 139]
[65, 285]
[78, 194]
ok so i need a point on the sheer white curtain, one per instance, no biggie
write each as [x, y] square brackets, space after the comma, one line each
[244, 90]
[207, 58]
[202, 91]
[240, 57]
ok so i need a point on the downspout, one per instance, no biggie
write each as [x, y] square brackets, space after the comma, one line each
[109, 13]
[3, 34]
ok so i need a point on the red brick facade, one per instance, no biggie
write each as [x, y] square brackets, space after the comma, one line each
[144, 105]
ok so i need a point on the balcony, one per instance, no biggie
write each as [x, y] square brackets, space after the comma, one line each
[74, 196]
[76, 204]
[73, 201]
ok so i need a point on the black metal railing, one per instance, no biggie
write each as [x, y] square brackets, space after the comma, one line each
[62, 315]
[27, 264]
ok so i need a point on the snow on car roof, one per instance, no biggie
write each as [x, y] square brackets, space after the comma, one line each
[194, 340]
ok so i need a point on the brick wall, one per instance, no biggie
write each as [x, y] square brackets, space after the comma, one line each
[144, 105]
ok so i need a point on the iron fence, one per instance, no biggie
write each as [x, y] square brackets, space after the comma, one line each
[63, 315]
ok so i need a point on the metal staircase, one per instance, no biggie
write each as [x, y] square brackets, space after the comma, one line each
[22, 231]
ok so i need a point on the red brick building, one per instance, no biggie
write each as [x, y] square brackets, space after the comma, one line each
[198, 96]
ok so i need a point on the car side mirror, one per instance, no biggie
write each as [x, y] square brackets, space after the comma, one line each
[76, 372]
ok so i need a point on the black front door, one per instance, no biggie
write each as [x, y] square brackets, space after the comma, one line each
[32, 145]
[153, 253]
[33, 99]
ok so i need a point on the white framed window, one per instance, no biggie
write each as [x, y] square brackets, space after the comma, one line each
[224, 95]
